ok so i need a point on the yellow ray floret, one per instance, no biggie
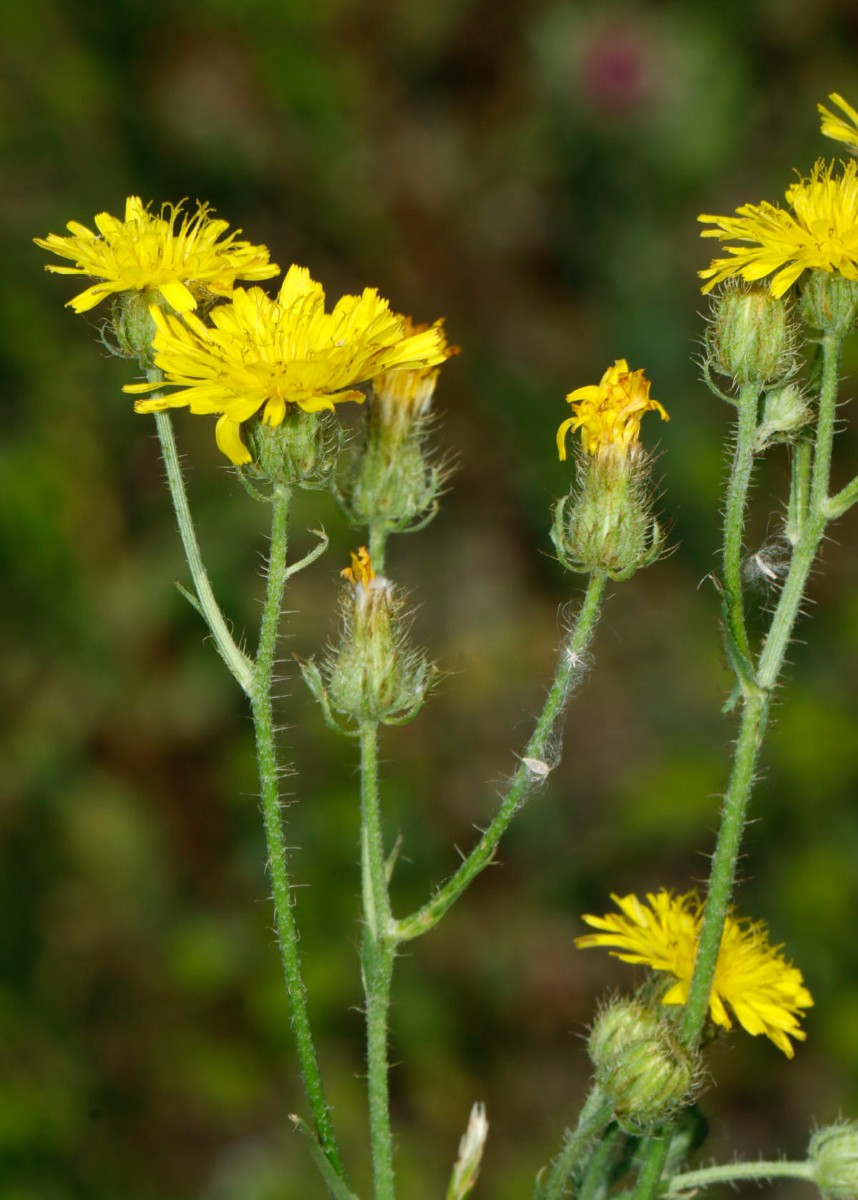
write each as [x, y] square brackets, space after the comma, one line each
[821, 232]
[260, 355]
[407, 395]
[841, 129]
[609, 413]
[765, 993]
[176, 257]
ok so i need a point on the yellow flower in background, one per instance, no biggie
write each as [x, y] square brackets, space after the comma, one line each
[148, 253]
[765, 993]
[609, 413]
[260, 355]
[820, 234]
[838, 128]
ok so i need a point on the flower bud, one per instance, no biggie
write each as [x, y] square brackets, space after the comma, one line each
[301, 451]
[133, 327]
[373, 675]
[751, 335]
[605, 522]
[640, 1066]
[471, 1146]
[392, 482]
[833, 1154]
[786, 411]
[829, 302]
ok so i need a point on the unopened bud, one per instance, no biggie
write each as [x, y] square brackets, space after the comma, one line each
[829, 302]
[786, 411]
[751, 335]
[640, 1066]
[133, 327]
[833, 1154]
[467, 1168]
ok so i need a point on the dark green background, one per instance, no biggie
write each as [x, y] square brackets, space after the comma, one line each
[533, 171]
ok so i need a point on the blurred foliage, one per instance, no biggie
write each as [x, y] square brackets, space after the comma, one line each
[533, 171]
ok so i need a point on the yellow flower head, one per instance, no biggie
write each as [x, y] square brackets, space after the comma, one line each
[821, 232]
[260, 355]
[764, 992]
[147, 253]
[404, 396]
[609, 413]
[360, 572]
[838, 128]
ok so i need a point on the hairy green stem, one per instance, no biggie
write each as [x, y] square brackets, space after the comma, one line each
[269, 772]
[595, 1116]
[378, 951]
[238, 663]
[736, 1172]
[755, 709]
[734, 513]
[531, 770]
[377, 545]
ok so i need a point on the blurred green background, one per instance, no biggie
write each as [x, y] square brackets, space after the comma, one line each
[532, 169]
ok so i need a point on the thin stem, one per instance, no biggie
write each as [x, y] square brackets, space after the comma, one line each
[737, 1171]
[377, 545]
[531, 770]
[802, 458]
[238, 663]
[599, 1172]
[269, 772]
[724, 866]
[377, 954]
[734, 515]
[595, 1116]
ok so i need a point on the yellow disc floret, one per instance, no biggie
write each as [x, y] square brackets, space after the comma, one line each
[765, 993]
[175, 254]
[260, 355]
[609, 413]
[821, 232]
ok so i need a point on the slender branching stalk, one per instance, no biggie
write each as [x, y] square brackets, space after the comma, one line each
[531, 769]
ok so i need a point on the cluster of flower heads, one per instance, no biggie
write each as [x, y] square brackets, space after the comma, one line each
[765, 993]
[819, 234]
[255, 356]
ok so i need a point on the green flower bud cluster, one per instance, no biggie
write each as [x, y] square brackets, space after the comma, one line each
[751, 335]
[645, 1073]
[373, 674]
[833, 1154]
[605, 521]
[302, 451]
